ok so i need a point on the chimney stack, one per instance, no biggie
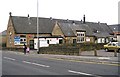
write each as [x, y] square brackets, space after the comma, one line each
[84, 19]
[10, 13]
[28, 16]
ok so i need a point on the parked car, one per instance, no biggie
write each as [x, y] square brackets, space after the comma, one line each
[112, 46]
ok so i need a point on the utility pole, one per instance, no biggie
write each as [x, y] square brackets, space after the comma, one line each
[37, 27]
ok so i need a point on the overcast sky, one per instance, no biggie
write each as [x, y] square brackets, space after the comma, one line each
[105, 11]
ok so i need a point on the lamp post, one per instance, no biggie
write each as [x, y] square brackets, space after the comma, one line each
[10, 41]
[37, 27]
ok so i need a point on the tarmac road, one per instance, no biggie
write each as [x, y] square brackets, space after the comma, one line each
[20, 64]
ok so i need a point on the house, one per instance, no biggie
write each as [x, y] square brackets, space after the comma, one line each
[81, 32]
[23, 30]
[101, 31]
[116, 32]
[3, 38]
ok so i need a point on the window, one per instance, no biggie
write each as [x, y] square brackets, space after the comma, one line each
[60, 41]
[23, 36]
[114, 44]
[80, 37]
[48, 41]
[22, 39]
[74, 41]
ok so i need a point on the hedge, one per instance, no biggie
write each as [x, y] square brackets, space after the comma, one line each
[82, 46]
[59, 50]
[70, 49]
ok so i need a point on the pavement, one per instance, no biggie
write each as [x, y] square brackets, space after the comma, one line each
[87, 56]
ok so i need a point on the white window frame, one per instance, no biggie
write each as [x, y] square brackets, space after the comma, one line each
[80, 37]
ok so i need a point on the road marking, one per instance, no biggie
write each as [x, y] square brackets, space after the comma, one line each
[116, 62]
[35, 64]
[104, 58]
[9, 58]
[27, 62]
[40, 65]
[81, 73]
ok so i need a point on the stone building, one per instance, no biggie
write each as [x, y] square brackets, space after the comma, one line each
[22, 30]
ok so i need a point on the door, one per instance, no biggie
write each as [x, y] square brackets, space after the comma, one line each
[31, 44]
[74, 41]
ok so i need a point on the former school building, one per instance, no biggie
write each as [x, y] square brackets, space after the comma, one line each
[22, 30]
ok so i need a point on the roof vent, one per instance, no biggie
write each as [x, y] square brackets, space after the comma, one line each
[67, 20]
[98, 22]
[51, 18]
[81, 21]
[73, 22]
[95, 31]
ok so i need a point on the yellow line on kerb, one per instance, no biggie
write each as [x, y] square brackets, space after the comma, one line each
[86, 62]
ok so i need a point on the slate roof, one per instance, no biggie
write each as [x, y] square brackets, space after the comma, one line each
[92, 29]
[29, 25]
[115, 28]
[99, 29]
[68, 27]
[67, 31]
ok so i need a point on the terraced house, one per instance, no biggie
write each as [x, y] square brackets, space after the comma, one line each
[22, 30]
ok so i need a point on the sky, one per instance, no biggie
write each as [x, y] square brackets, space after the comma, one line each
[104, 11]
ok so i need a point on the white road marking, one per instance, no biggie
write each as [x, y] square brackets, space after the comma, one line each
[35, 64]
[81, 73]
[9, 58]
[40, 65]
[27, 62]
[104, 58]
[116, 62]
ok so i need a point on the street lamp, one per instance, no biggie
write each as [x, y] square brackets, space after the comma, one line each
[37, 27]
[10, 39]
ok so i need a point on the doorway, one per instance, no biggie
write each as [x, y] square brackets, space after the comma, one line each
[31, 44]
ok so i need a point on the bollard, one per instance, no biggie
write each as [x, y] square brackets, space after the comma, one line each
[115, 53]
[95, 52]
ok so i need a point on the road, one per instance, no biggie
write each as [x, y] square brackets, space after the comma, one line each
[20, 64]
